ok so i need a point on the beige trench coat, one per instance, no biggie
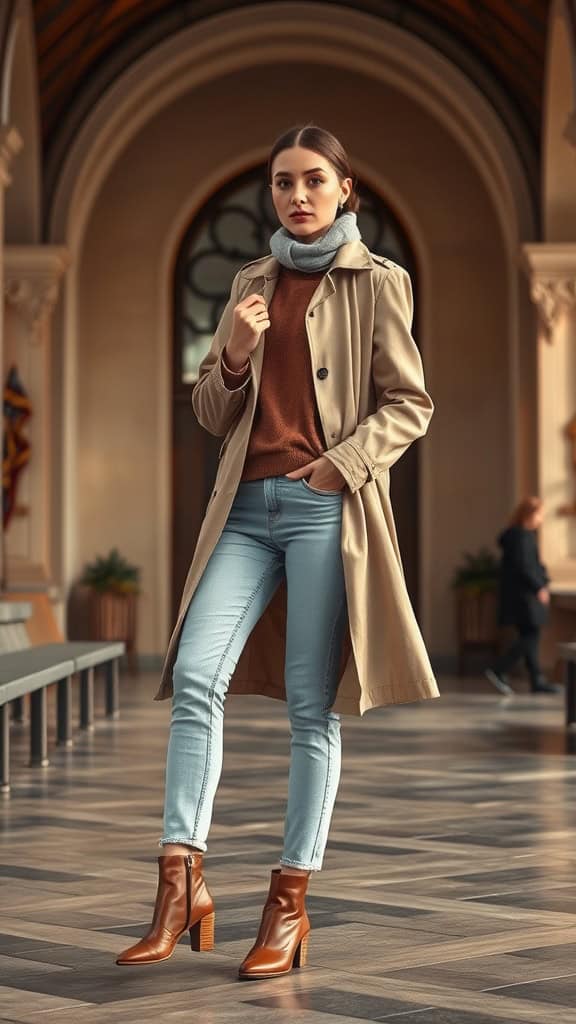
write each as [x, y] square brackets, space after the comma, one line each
[372, 405]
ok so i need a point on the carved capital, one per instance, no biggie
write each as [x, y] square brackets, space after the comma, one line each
[32, 281]
[552, 271]
[552, 296]
[34, 299]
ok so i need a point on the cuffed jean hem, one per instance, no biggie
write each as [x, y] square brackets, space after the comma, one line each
[296, 864]
[185, 842]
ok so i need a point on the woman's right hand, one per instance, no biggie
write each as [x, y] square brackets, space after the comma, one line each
[543, 595]
[250, 319]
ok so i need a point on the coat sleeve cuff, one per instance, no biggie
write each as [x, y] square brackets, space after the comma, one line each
[347, 458]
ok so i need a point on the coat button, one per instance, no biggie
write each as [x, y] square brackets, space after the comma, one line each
[322, 373]
[311, 314]
[333, 434]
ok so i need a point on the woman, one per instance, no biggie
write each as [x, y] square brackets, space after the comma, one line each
[524, 597]
[296, 587]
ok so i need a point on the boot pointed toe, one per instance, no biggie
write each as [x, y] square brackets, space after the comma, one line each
[140, 954]
[251, 970]
[128, 956]
[255, 969]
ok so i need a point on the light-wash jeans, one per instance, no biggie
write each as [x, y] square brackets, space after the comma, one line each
[276, 526]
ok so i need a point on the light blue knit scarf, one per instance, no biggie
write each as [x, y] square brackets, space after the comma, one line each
[318, 255]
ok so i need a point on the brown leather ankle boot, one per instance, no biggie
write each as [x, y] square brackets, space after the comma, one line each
[183, 902]
[282, 941]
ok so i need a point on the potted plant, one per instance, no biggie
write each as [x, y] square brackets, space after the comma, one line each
[475, 584]
[114, 585]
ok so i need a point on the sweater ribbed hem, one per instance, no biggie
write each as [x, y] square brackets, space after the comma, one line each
[277, 463]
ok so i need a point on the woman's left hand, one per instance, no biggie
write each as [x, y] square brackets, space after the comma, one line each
[320, 473]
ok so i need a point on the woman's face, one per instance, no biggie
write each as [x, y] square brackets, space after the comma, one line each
[304, 181]
[534, 521]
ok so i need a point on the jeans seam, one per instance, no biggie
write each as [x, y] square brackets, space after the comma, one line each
[326, 709]
[324, 798]
[330, 658]
[212, 690]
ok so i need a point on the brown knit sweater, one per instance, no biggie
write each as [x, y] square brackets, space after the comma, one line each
[286, 431]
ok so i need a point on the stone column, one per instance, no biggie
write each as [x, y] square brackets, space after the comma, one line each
[552, 269]
[32, 275]
[10, 145]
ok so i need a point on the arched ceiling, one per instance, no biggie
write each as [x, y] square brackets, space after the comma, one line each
[76, 37]
[84, 44]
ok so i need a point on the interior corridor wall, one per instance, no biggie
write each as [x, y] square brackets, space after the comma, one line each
[463, 312]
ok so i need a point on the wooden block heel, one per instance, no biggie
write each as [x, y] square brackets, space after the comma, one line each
[202, 934]
[301, 954]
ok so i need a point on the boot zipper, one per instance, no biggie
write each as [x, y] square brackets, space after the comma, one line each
[188, 888]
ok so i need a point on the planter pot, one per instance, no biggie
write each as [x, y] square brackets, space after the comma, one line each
[476, 622]
[114, 617]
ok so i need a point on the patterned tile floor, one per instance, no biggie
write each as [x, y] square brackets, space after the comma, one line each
[448, 894]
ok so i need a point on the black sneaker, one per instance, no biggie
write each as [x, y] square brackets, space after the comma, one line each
[545, 687]
[498, 681]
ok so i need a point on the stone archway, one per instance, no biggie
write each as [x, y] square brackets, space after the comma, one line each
[20, 112]
[559, 127]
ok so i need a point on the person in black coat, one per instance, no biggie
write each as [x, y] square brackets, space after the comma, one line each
[524, 598]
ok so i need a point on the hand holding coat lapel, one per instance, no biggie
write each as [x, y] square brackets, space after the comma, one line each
[266, 286]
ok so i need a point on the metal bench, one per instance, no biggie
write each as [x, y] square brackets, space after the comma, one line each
[568, 654]
[30, 671]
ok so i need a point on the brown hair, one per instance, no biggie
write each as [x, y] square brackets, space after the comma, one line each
[311, 136]
[524, 510]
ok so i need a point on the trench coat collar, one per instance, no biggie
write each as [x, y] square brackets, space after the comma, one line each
[354, 255]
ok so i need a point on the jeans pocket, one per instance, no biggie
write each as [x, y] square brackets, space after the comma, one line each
[316, 490]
